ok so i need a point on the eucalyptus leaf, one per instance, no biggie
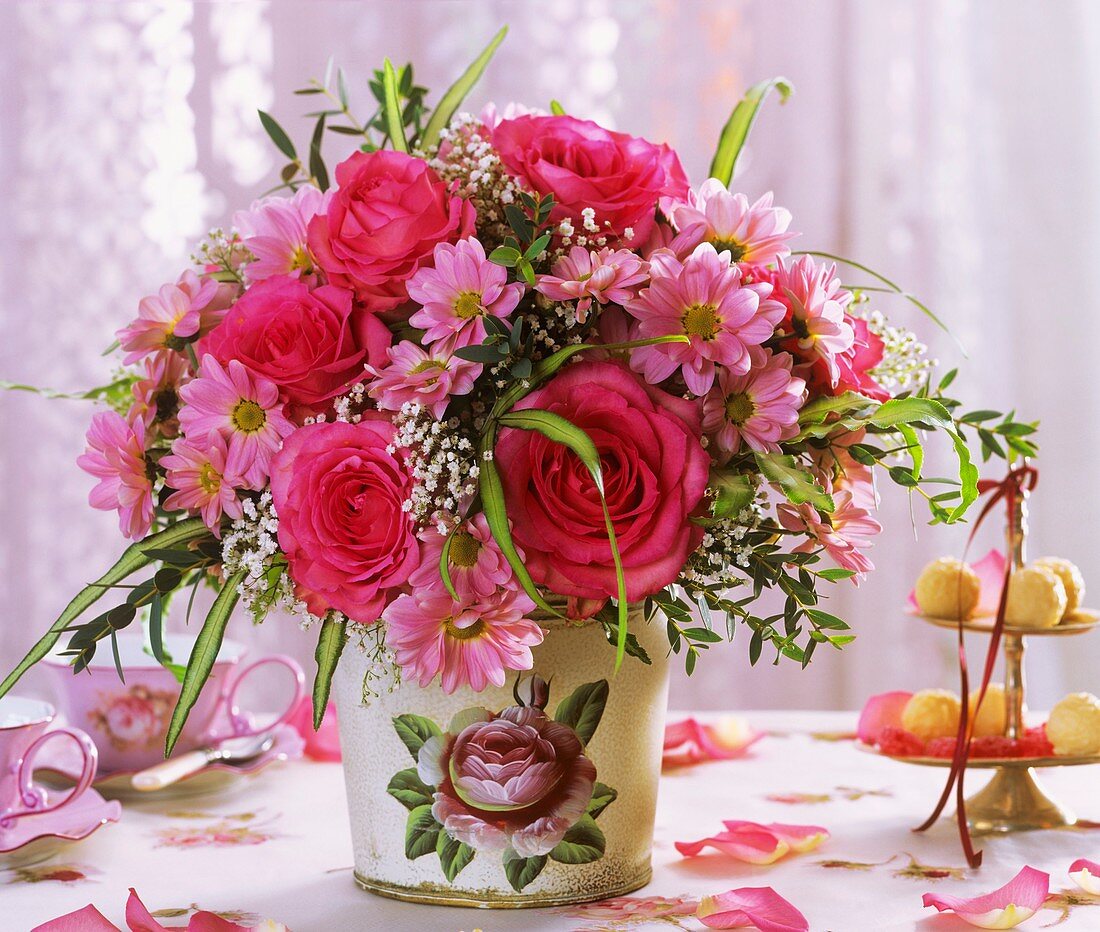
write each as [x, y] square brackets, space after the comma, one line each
[278, 135]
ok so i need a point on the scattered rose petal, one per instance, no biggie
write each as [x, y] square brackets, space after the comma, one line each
[759, 907]
[881, 712]
[756, 843]
[88, 919]
[1086, 874]
[692, 742]
[1004, 908]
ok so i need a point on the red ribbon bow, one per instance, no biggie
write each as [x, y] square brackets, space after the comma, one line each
[1019, 480]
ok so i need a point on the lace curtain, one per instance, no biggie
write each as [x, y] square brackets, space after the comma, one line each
[951, 145]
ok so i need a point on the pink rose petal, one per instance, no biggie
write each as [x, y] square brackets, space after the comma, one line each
[880, 712]
[1004, 908]
[138, 917]
[323, 744]
[88, 919]
[759, 907]
[1086, 874]
[756, 843]
[690, 741]
[991, 575]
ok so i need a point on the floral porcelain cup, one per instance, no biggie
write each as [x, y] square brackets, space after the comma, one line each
[128, 720]
[23, 734]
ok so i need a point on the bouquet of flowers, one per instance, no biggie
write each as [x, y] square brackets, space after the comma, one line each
[503, 368]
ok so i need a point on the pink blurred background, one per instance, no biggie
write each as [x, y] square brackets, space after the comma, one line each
[952, 146]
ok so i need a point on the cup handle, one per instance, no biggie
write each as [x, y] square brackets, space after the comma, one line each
[31, 798]
[240, 721]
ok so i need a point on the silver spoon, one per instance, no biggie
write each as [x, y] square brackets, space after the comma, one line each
[230, 751]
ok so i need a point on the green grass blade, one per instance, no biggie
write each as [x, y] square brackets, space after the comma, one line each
[395, 125]
[492, 500]
[737, 127]
[456, 93]
[330, 644]
[555, 427]
[202, 658]
[133, 559]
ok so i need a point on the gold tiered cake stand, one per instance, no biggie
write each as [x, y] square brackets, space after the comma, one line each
[1014, 799]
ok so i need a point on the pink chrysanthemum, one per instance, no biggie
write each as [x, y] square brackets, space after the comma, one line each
[584, 276]
[426, 376]
[156, 397]
[845, 533]
[459, 291]
[758, 409]
[274, 231]
[702, 298]
[476, 565]
[116, 456]
[244, 409]
[754, 234]
[193, 306]
[469, 643]
[814, 301]
[202, 481]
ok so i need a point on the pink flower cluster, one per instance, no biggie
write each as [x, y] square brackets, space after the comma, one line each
[341, 339]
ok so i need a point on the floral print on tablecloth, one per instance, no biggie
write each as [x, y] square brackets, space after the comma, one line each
[224, 831]
[51, 873]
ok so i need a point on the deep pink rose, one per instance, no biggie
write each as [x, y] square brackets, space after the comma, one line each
[311, 344]
[655, 473]
[582, 164]
[383, 222]
[516, 779]
[338, 495]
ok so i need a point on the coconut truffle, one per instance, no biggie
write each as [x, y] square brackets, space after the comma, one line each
[1074, 725]
[989, 718]
[1036, 598]
[948, 588]
[932, 713]
[1071, 578]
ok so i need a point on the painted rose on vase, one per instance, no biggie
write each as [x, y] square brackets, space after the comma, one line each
[515, 784]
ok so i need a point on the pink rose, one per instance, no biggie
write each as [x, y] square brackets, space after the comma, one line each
[516, 779]
[583, 165]
[338, 495]
[311, 344]
[382, 224]
[655, 473]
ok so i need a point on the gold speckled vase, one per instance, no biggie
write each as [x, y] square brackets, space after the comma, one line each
[540, 793]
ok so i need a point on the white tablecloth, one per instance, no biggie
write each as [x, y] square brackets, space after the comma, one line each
[280, 848]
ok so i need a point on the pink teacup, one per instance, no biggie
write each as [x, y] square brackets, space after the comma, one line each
[129, 720]
[23, 733]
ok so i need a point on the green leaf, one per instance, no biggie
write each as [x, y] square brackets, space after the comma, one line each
[491, 491]
[453, 855]
[602, 797]
[733, 493]
[391, 108]
[134, 558]
[737, 127]
[556, 108]
[847, 403]
[156, 629]
[506, 256]
[835, 574]
[794, 481]
[521, 871]
[203, 655]
[278, 135]
[330, 644]
[456, 93]
[409, 790]
[556, 428]
[414, 730]
[480, 352]
[316, 163]
[582, 709]
[421, 833]
[582, 844]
